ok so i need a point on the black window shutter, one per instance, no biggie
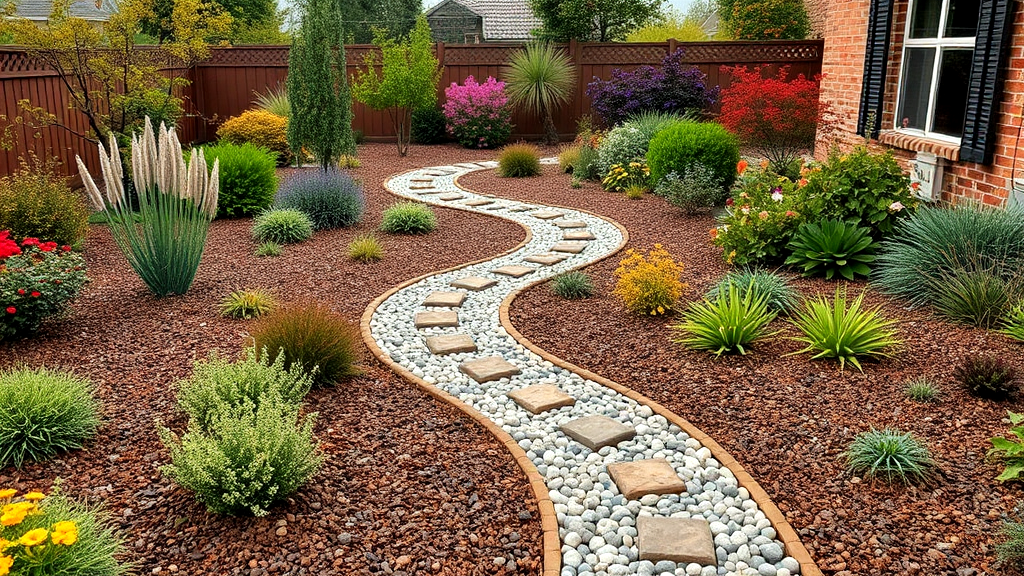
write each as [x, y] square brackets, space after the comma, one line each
[995, 21]
[876, 60]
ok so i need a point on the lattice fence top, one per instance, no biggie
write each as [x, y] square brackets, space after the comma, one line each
[14, 62]
[756, 52]
[623, 54]
[478, 55]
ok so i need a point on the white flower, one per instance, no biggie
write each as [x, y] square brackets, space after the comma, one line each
[745, 209]
[896, 206]
[777, 196]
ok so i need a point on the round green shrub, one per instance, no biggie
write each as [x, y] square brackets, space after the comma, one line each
[429, 126]
[408, 218]
[331, 198]
[38, 203]
[248, 178]
[43, 412]
[683, 144]
[284, 226]
[519, 161]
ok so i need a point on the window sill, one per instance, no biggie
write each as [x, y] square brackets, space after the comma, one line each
[942, 149]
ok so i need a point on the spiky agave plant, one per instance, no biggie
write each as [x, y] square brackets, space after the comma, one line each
[176, 201]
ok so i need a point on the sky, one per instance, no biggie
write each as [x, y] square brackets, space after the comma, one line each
[677, 4]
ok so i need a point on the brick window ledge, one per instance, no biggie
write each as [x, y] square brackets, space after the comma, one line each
[941, 149]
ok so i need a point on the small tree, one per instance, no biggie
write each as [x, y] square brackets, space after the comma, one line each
[765, 19]
[541, 79]
[593, 20]
[408, 77]
[318, 93]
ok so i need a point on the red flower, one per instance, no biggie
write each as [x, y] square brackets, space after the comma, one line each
[30, 242]
[65, 248]
[48, 246]
[730, 202]
[11, 309]
[21, 291]
[36, 294]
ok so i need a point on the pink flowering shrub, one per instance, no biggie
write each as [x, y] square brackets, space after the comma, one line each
[478, 115]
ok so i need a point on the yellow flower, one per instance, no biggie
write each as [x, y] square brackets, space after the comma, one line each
[5, 565]
[12, 518]
[34, 537]
[7, 493]
[65, 533]
[5, 544]
[34, 496]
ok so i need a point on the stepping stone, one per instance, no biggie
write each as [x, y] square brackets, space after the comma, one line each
[488, 369]
[546, 259]
[450, 344]
[451, 196]
[442, 319]
[563, 224]
[570, 247]
[578, 235]
[643, 477]
[541, 398]
[437, 174]
[596, 432]
[467, 165]
[514, 271]
[488, 164]
[429, 192]
[427, 180]
[478, 202]
[522, 208]
[420, 187]
[547, 214]
[681, 540]
[474, 283]
[448, 299]
[495, 207]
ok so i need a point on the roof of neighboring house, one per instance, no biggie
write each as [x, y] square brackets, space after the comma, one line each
[94, 10]
[502, 19]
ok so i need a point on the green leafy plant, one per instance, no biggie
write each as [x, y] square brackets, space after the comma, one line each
[890, 455]
[573, 285]
[408, 218]
[586, 167]
[922, 390]
[275, 101]
[686, 143]
[564, 20]
[428, 126]
[247, 304]
[761, 217]
[218, 385]
[283, 226]
[987, 376]
[251, 459]
[365, 248]
[268, 249]
[974, 296]
[330, 197]
[629, 141]
[312, 336]
[1010, 550]
[835, 330]
[37, 203]
[248, 178]
[38, 281]
[1013, 322]
[43, 412]
[176, 202]
[348, 162]
[831, 247]
[1010, 451]
[764, 19]
[730, 323]
[540, 79]
[696, 190]
[779, 295]
[519, 161]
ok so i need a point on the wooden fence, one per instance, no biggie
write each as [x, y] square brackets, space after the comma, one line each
[225, 84]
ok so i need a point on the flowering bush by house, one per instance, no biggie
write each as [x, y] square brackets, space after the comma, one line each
[478, 115]
[37, 281]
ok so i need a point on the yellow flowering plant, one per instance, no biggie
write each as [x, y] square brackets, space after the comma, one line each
[649, 284]
[623, 176]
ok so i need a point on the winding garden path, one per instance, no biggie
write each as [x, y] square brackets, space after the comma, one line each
[624, 485]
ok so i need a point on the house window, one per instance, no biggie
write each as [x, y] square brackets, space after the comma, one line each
[938, 50]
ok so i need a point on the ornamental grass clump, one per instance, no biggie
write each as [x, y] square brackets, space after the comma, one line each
[176, 201]
[330, 197]
[282, 226]
[44, 412]
[729, 323]
[246, 304]
[649, 284]
[779, 295]
[845, 333]
[987, 376]
[922, 390]
[890, 455]
[573, 285]
[568, 158]
[519, 161]
[365, 248]
[408, 218]
[268, 249]
[312, 336]
[831, 247]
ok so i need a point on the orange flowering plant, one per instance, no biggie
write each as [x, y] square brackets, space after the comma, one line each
[649, 284]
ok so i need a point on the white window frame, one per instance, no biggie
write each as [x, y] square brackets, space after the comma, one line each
[939, 44]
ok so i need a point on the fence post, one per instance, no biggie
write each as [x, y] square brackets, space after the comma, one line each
[672, 45]
[576, 56]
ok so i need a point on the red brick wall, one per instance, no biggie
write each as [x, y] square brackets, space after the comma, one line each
[843, 65]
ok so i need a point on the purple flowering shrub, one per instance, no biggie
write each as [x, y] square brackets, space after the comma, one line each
[673, 88]
[478, 115]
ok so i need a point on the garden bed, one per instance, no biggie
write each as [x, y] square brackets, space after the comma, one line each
[787, 419]
[410, 485]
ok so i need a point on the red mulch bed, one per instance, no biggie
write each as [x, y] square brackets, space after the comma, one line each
[410, 484]
[787, 419]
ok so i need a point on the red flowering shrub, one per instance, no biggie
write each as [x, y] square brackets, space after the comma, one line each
[37, 281]
[775, 116]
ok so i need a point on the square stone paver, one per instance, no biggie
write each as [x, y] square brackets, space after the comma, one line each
[541, 398]
[578, 235]
[547, 214]
[564, 224]
[448, 299]
[514, 271]
[451, 196]
[546, 259]
[450, 344]
[440, 319]
[652, 476]
[488, 369]
[474, 283]
[682, 540]
[570, 247]
[478, 202]
[596, 432]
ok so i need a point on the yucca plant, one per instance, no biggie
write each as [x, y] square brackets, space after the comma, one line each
[779, 295]
[730, 323]
[835, 330]
[275, 101]
[890, 455]
[540, 79]
[831, 247]
[176, 199]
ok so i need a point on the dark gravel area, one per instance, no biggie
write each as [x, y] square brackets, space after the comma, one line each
[410, 485]
[787, 419]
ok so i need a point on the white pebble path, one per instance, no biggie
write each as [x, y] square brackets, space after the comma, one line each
[597, 525]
